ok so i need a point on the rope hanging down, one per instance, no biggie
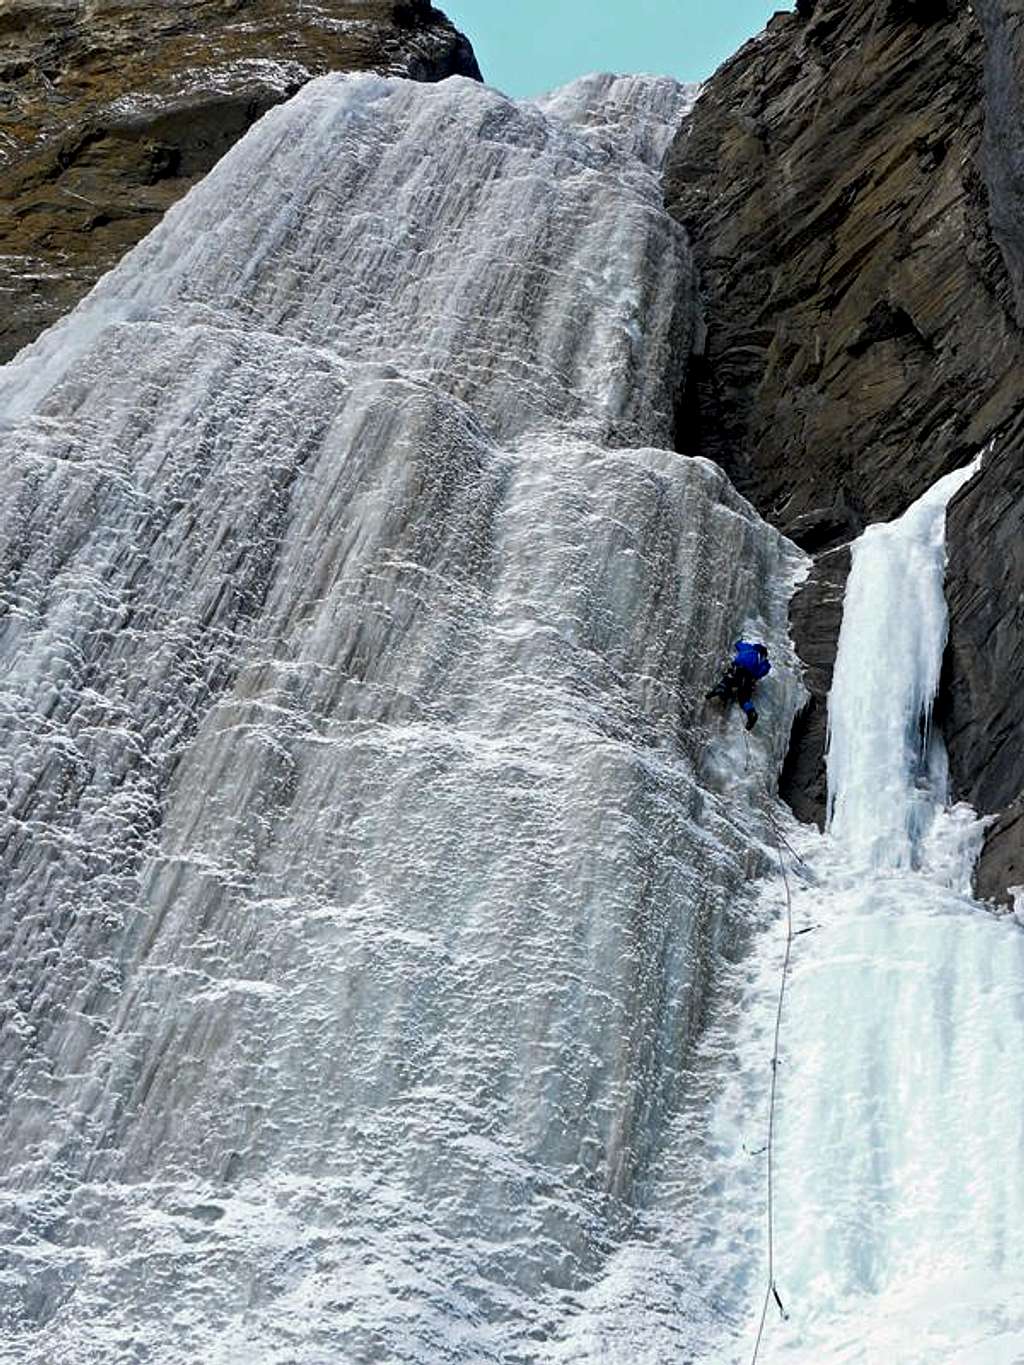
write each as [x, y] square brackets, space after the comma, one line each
[771, 1290]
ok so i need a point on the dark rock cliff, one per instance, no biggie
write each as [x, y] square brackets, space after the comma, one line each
[111, 110]
[985, 579]
[852, 183]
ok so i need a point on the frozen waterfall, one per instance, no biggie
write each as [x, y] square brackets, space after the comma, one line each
[385, 974]
[899, 1158]
[886, 768]
[367, 860]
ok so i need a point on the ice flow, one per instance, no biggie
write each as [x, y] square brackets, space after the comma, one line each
[886, 767]
[899, 1209]
[366, 862]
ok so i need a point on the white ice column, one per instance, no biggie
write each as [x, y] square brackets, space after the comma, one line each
[885, 774]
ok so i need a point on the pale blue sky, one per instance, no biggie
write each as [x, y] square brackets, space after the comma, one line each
[525, 47]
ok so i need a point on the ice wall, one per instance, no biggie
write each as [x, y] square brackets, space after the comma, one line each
[899, 1185]
[366, 849]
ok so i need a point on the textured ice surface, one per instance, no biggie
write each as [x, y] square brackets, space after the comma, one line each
[886, 771]
[898, 1158]
[638, 114]
[366, 850]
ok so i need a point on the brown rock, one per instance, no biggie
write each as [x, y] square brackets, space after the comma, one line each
[110, 111]
[985, 574]
[984, 701]
[1002, 862]
[829, 180]
[815, 615]
[984, 713]
[1002, 22]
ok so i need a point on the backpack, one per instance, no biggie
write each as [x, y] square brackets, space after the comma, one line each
[751, 658]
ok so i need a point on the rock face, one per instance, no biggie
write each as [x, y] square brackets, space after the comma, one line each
[111, 110]
[985, 660]
[853, 182]
[829, 178]
[986, 563]
[815, 615]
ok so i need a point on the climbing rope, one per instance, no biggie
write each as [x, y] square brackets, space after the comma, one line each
[771, 1289]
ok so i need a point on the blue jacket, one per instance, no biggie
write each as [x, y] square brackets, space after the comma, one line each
[751, 659]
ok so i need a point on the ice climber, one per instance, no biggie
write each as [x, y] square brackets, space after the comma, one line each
[737, 683]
